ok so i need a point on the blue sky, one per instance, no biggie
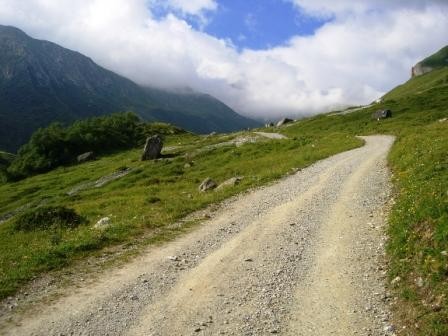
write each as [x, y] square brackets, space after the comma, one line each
[259, 24]
[251, 24]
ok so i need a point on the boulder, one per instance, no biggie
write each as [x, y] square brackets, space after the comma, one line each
[86, 157]
[230, 182]
[284, 121]
[381, 114]
[207, 184]
[269, 125]
[102, 224]
[153, 147]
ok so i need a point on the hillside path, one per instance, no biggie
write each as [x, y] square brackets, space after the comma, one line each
[303, 256]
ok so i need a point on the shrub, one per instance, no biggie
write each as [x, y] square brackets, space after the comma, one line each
[47, 217]
[56, 145]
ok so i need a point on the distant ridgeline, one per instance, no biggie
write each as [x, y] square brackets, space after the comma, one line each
[41, 82]
[433, 62]
[56, 145]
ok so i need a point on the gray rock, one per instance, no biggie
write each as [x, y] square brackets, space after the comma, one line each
[207, 184]
[420, 69]
[284, 121]
[103, 223]
[269, 125]
[395, 281]
[89, 156]
[419, 282]
[230, 182]
[381, 114]
[153, 147]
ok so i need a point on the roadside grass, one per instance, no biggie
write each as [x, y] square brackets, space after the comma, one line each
[154, 195]
[418, 224]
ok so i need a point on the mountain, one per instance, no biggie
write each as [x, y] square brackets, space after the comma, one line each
[435, 61]
[41, 82]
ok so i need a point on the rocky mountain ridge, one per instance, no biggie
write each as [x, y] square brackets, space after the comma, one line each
[42, 82]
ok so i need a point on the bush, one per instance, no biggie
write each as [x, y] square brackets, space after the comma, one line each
[56, 145]
[47, 217]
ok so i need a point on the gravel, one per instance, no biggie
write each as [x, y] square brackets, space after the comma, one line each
[304, 256]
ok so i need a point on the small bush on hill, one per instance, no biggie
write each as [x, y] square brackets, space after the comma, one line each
[56, 145]
[47, 217]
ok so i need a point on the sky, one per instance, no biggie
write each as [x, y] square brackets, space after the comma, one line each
[266, 59]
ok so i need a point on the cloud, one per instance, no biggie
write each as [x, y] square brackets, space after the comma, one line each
[341, 7]
[352, 59]
[193, 7]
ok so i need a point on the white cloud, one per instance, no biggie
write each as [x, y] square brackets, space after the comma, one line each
[352, 59]
[193, 7]
[340, 7]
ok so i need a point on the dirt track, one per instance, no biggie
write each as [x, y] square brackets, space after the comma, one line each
[300, 257]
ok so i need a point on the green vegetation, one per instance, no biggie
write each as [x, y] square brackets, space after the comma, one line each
[157, 193]
[147, 200]
[5, 161]
[438, 60]
[47, 217]
[56, 145]
[419, 220]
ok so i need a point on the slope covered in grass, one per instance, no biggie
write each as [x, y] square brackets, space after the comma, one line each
[419, 219]
[148, 199]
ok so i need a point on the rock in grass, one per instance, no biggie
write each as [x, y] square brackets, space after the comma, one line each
[284, 121]
[89, 156]
[153, 147]
[103, 223]
[207, 184]
[230, 182]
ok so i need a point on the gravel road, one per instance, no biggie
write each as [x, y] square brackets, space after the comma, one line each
[304, 256]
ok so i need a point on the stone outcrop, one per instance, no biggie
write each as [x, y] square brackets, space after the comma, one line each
[381, 114]
[420, 69]
[89, 156]
[230, 182]
[207, 184]
[153, 148]
[284, 121]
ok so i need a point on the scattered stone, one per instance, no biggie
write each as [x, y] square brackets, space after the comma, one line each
[207, 184]
[173, 258]
[119, 173]
[153, 147]
[381, 114]
[443, 120]
[389, 329]
[89, 156]
[248, 259]
[395, 281]
[230, 182]
[419, 282]
[187, 165]
[444, 253]
[103, 223]
[284, 121]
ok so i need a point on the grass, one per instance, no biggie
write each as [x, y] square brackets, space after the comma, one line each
[158, 193]
[154, 195]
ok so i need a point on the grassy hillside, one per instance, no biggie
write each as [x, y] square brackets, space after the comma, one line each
[155, 194]
[419, 219]
[438, 60]
[147, 200]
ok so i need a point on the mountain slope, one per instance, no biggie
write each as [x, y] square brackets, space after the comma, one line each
[41, 82]
[435, 61]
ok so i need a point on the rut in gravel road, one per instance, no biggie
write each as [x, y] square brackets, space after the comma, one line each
[303, 256]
